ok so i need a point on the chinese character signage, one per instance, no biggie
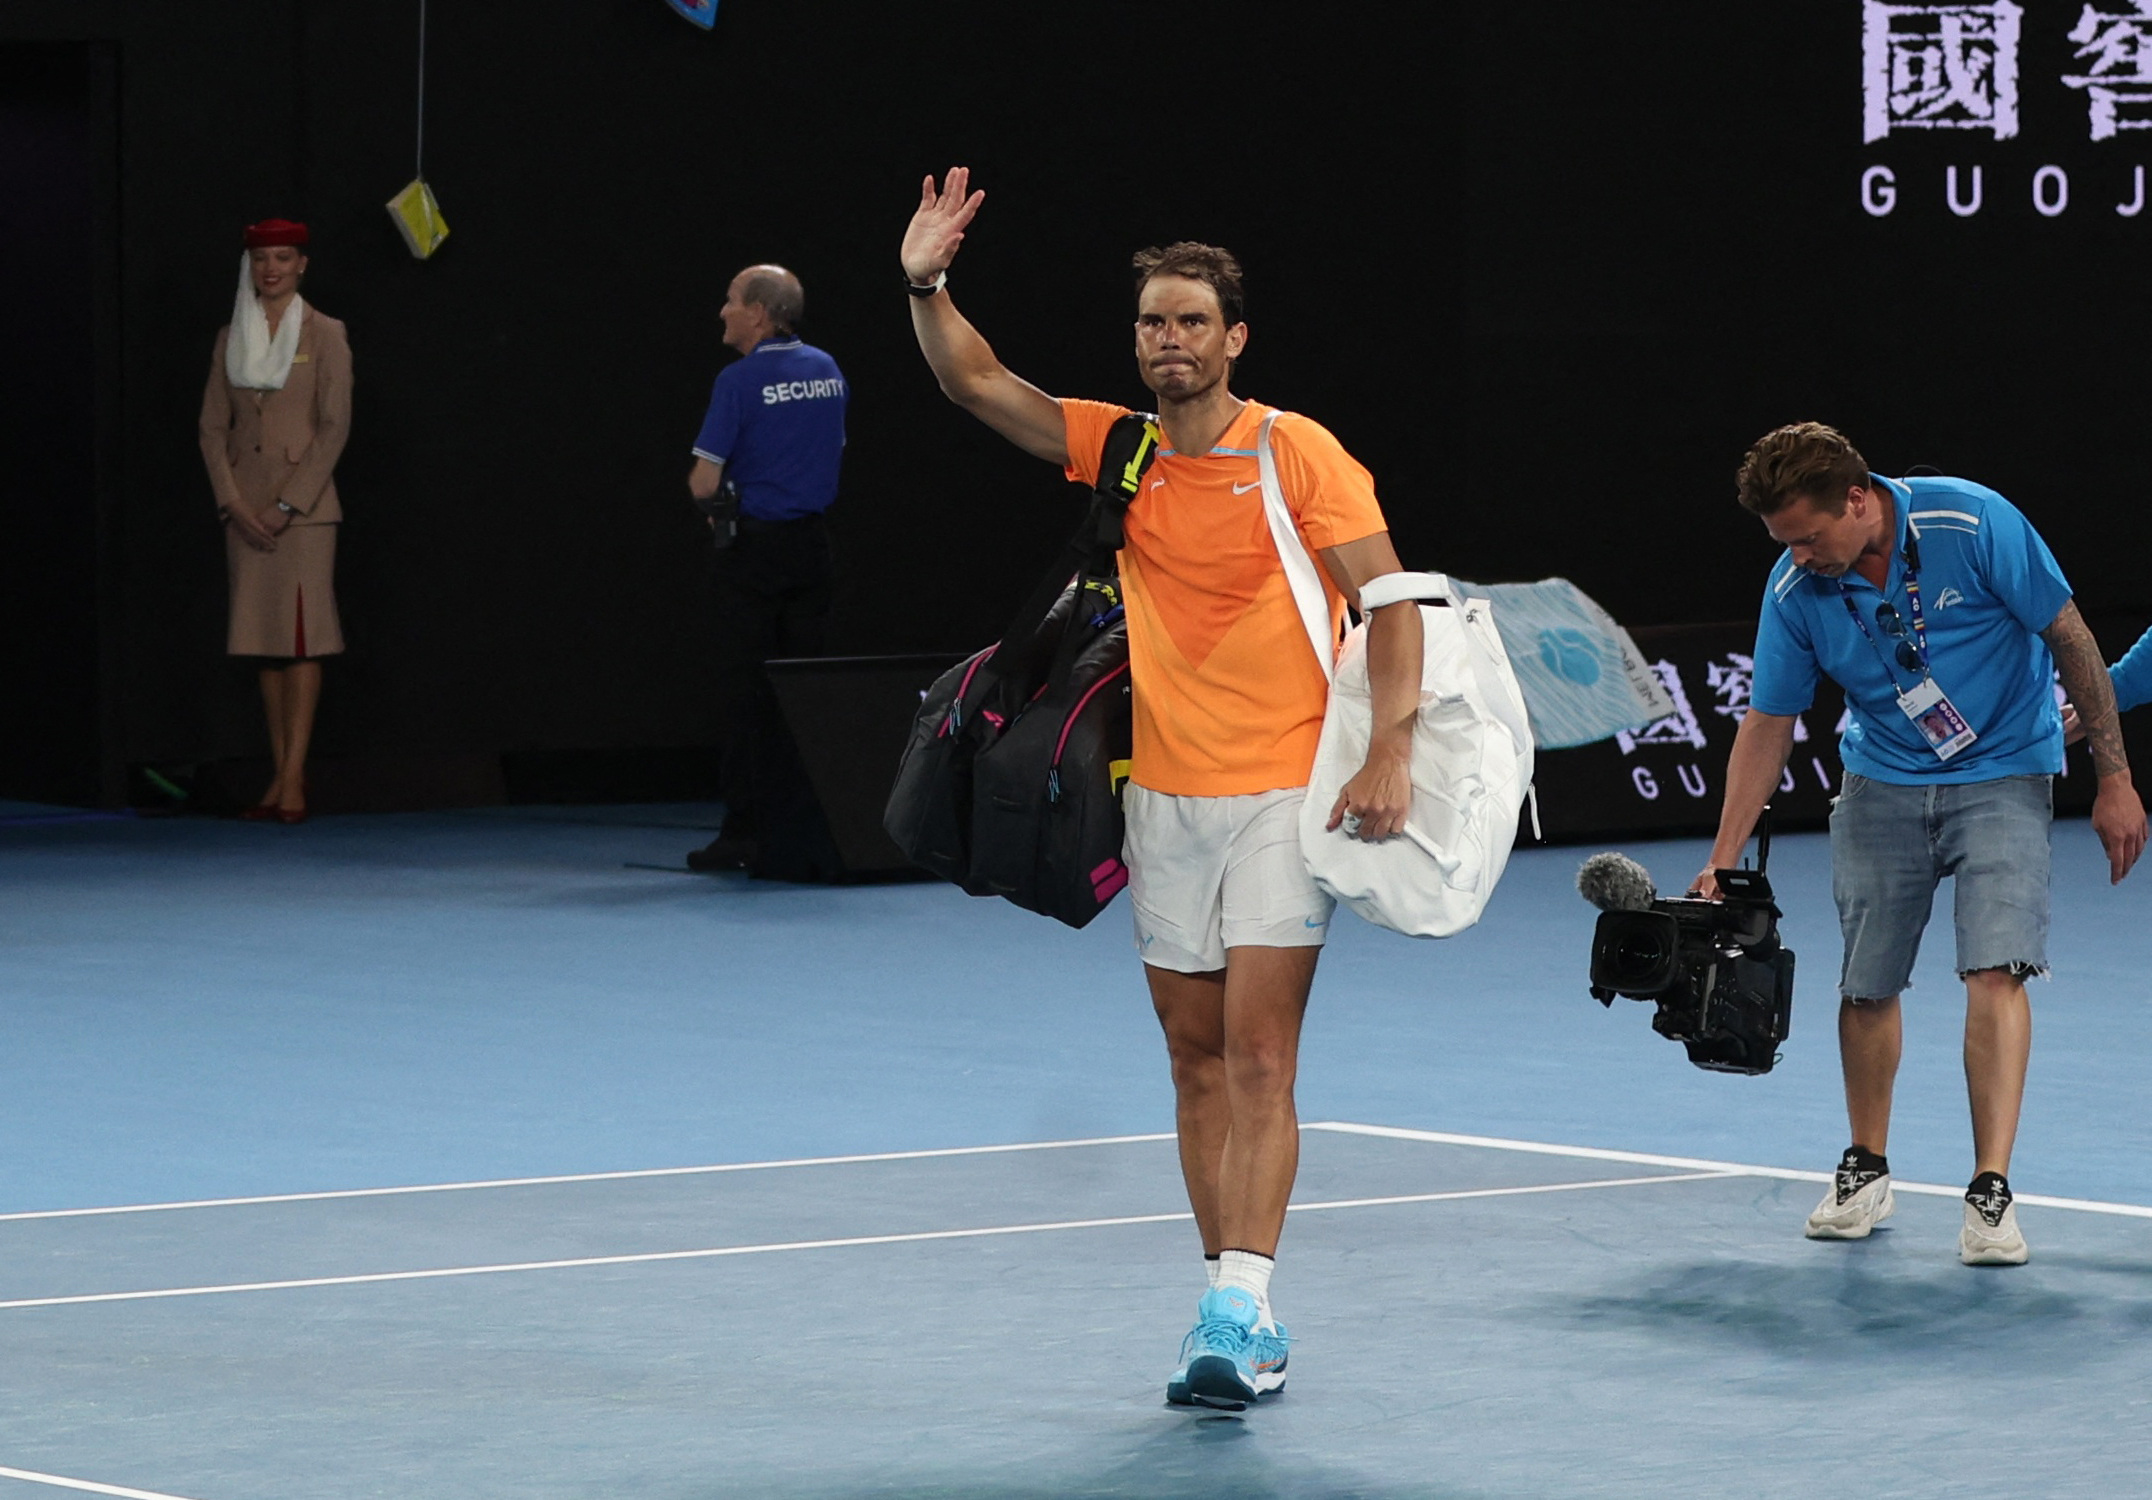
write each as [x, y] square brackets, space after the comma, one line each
[1668, 778]
[1998, 71]
[1939, 67]
[2116, 48]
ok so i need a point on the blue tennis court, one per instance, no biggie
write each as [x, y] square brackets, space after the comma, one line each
[483, 1154]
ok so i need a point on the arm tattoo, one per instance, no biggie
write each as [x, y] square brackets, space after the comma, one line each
[2084, 679]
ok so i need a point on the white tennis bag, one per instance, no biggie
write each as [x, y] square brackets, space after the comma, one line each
[1471, 748]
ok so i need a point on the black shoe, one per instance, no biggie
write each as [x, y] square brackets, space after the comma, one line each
[1859, 1198]
[721, 854]
[1991, 1236]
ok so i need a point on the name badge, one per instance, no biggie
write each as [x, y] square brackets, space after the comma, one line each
[1937, 719]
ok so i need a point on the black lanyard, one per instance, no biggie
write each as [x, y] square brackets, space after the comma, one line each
[1912, 599]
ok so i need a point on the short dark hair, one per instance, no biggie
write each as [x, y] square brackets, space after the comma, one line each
[1216, 268]
[777, 292]
[1802, 460]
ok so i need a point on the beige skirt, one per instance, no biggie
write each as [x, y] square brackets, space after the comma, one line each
[284, 602]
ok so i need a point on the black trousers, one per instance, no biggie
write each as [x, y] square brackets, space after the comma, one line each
[772, 588]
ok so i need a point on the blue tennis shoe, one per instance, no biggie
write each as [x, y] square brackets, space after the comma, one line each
[1226, 1360]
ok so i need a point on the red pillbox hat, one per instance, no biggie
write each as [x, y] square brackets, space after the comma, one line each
[275, 232]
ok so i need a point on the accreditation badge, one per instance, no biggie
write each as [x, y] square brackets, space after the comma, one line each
[1937, 719]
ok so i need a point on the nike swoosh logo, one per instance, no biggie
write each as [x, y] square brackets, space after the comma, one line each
[1313, 925]
[1156, 483]
[1242, 489]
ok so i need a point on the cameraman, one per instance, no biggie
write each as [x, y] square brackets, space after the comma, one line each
[1943, 615]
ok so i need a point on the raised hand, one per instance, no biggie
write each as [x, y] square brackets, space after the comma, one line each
[931, 240]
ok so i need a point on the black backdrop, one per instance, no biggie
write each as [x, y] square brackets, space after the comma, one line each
[1545, 270]
[55, 331]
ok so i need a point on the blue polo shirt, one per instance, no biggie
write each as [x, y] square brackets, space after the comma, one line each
[2132, 676]
[1989, 587]
[776, 422]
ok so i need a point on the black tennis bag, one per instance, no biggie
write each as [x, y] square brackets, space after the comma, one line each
[1046, 791]
[1011, 782]
[929, 811]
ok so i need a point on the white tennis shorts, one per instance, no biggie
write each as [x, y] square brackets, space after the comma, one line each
[1211, 873]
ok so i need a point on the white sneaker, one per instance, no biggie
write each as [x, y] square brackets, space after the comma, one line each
[1859, 1198]
[1991, 1236]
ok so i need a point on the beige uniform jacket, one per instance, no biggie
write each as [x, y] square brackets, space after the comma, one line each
[264, 446]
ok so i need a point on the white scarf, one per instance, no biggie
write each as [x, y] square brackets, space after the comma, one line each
[254, 361]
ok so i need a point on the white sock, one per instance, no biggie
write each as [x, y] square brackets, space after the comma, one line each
[1210, 1268]
[1251, 1273]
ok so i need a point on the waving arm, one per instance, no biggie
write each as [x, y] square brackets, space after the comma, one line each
[960, 357]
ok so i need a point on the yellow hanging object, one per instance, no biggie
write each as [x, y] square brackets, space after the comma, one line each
[418, 218]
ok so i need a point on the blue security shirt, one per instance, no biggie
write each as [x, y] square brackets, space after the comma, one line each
[1989, 586]
[776, 422]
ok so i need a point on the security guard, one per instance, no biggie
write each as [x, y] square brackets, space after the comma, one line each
[765, 471]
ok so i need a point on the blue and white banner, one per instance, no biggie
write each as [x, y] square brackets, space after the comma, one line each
[1582, 676]
[702, 12]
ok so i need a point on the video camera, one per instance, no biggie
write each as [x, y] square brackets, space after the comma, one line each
[1722, 981]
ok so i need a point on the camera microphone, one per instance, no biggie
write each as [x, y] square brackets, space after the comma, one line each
[1615, 882]
[1719, 978]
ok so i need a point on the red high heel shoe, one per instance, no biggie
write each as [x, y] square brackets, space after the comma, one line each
[263, 811]
[291, 816]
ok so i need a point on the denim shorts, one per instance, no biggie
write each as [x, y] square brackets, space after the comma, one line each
[1891, 845]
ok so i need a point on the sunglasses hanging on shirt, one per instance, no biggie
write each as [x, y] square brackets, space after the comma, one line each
[1892, 625]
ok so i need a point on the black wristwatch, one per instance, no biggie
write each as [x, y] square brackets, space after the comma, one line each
[941, 279]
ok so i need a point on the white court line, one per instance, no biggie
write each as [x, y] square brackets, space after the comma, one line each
[914, 1238]
[85, 1486]
[1503, 1192]
[1699, 1164]
[515, 1182]
[1390, 1132]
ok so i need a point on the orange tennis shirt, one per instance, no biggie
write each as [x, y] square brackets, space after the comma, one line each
[1228, 694]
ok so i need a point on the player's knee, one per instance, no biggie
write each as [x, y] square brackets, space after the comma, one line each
[1262, 1065]
[1196, 1059]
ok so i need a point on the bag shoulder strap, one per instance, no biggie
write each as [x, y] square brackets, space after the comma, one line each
[1395, 588]
[1131, 443]
[1300, 570]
